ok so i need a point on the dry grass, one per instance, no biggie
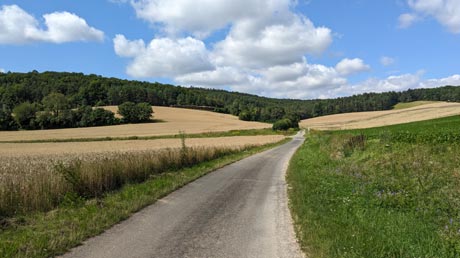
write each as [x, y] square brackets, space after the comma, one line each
[64, 148]
[173, 120]
[404, 105]
[382, 118]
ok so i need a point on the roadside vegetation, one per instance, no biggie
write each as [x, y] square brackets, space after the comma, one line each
[49, 207]
[381, 192]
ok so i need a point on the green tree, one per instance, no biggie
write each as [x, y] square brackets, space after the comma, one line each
[7, 121]
[55, 102]
[284, 124]
[135, 113]
[25, 114]
[144, 112]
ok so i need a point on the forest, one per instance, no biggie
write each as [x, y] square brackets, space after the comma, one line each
[32, 91]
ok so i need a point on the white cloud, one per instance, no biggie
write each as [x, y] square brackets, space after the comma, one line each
[446, 12]
[252, 45]
[351, 66]
[453, 80]
[126, 48]
[2, 70]
[222, 76]
[201, 17]
[406, 20]
[163, 57]
[298, 80]
[387, 61]
[19, 27]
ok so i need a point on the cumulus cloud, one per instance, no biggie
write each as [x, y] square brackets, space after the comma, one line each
[351, 66]
[221, 76]
[201, 17]
[2, 70]
[163, 57]
[19, 27]
[387, 61]
[446, 12]
[273, 44]
[406, 20]
[298, 80]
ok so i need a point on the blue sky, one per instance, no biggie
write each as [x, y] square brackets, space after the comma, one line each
[276, 48]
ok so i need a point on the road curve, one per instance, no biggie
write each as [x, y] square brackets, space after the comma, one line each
[237, 211]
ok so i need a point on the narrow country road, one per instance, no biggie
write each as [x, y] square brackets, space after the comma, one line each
[237, 211]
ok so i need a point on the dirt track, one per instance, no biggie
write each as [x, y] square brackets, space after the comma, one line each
[382, 118]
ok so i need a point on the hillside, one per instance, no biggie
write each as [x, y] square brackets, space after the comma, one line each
[382, 118]
[93, 90]
[172, 121]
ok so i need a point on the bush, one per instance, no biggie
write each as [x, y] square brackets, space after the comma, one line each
[135, 113]
[25, 114]
[284, 124]
[7, 121]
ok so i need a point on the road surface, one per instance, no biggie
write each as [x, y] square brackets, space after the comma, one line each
[237, 211]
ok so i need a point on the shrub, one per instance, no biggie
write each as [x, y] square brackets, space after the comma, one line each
[284, 124]
[135, 113]
[25, 114]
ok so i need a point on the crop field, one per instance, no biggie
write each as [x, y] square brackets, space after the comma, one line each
[170, 121]
[383, 118]
[64, 148]
[390, 191]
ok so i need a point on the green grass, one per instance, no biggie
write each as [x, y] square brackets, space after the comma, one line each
[251, 132]
[441, 130]
[367, 193]
[404, 105]
[48, 234]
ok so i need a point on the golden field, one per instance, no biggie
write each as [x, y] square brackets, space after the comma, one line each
[172, 120]
[382, 118]
[67, 148]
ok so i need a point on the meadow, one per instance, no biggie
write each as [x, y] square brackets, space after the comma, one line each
[391, 191]
[403, 113]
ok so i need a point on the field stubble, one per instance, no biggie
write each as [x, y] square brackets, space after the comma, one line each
[382, 118]
[172, 120]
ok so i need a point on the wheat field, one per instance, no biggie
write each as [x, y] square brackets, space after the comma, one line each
[67, 148]
[172, 120]
[382, 118]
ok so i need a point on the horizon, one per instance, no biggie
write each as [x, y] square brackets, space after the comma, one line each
[277, 49]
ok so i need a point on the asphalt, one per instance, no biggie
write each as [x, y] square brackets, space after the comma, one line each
[240, 210]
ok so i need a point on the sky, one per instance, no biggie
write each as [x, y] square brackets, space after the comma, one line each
[300, 49]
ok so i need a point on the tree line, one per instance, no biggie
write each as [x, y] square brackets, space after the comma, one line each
[83, 91]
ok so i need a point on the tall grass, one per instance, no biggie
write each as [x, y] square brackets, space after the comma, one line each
[41, 183]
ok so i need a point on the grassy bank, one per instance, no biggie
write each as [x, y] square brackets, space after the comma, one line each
[372, 193]
[45, 234]
[250, 132]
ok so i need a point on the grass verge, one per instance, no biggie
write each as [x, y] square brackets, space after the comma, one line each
[251, 132]
[52, 233]
[365, 194]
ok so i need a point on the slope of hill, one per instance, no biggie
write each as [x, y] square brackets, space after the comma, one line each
[80, 89]
[173, 120]
[382, 118]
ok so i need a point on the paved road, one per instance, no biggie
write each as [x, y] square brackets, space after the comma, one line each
[237, 211]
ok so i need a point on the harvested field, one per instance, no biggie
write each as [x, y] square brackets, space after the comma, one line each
[65, 148]
[172, 120]
[382, 118]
